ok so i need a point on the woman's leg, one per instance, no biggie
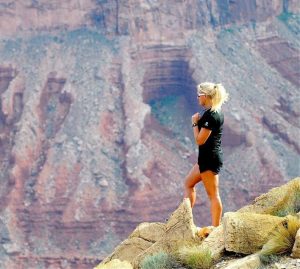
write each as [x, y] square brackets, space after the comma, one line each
[211, 184]
[191, 180]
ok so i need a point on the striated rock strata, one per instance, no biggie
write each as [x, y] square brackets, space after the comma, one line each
[95, 106]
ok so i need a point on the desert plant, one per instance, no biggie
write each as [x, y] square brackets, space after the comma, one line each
[281, 239]
[268, 259]
[160, 260]
[195, 257]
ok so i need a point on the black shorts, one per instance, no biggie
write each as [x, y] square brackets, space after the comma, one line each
[213, 163]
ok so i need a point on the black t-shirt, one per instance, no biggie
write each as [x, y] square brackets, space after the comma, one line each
[212, 120]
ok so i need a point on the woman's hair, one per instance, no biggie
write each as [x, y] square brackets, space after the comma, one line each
[216, 92]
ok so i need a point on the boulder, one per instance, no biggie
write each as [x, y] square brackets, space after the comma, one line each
[115, 264]
[279, 201]
[128, 249]
[296, 247]
[141, 239]
[179, 230]
[215, 242]
[150, 238]
[247, 232]
[180, 226]
[248, 262]
[150, 232]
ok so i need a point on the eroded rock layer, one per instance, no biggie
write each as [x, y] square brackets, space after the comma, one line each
[95, 106]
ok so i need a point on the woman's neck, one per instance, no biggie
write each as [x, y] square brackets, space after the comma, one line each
[208, 104]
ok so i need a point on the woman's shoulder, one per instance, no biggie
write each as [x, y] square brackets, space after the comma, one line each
[217, 116]
[211, 113]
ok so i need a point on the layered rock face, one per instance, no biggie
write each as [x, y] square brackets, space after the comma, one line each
[96, 99]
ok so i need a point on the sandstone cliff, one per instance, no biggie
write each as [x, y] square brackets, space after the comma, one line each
[96, 98]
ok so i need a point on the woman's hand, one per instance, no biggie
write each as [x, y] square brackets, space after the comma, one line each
[195, 117]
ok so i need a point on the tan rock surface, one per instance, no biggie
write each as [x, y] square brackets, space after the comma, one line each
[180, 229]
[215, 242]
[149, 231]
[247, 232]
[115, 264]
[278, 200]
[150, 238]
[296, 247]
[129, 249]
[141, 239]
[248, 262]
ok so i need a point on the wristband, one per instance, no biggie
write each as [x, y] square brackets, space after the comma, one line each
[195, 124]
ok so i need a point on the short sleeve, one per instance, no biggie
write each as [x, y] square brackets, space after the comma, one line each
[208, 122]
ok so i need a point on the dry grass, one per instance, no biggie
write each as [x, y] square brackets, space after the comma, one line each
[281, 239]
[160, 260]
[195, 257]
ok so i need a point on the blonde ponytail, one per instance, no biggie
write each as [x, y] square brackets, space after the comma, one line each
[216, 92]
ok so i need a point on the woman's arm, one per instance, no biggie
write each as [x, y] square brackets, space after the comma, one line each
[200, 135]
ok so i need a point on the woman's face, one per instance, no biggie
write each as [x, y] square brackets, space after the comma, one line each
[201, 98]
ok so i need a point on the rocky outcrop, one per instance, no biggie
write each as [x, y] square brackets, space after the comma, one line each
[111, 16]
[240, 232]
[141, 20]
[150, 238]
[278, 201]
[287, 63]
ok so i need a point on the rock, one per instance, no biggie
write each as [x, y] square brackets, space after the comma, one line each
[129, 249]
[181, 224]
[277, 200]
[12, 248]
[150, 238]
[215, 242]
[247, 232]
[115, 264]
[296, 247]
[248, 262]
[179, 229]
[104, 183]
[149, 231]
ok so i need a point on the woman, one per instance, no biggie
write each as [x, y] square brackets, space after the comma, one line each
[207, 133]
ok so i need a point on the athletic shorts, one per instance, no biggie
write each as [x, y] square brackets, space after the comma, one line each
[213, 163]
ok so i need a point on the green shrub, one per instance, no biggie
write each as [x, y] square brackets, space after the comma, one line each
[268, 259]
[160, 260]
[195, 257]
[281, 239]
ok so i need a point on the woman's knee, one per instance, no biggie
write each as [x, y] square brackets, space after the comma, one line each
[193, 177]
[213, 195]
[188, 183]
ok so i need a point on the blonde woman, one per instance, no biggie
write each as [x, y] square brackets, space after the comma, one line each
[207, 133]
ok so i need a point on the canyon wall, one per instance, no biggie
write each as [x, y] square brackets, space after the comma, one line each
[96, 100]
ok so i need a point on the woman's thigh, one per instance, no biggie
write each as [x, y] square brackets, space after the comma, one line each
[193, 177]
[211, 183]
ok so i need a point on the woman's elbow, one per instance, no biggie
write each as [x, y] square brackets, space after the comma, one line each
[199, 142]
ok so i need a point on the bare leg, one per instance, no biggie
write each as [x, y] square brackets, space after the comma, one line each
[211, 184]
[191, 180]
